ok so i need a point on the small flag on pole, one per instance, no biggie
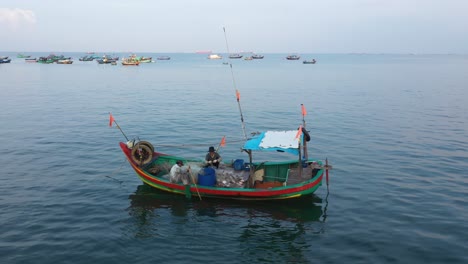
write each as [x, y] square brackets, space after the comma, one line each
[111, 119]
[304, 112]
[237, 95]
[223, 142]
[299, 132]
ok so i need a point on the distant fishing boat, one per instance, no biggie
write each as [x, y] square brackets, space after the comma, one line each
[106, 59]
[144, 59]
[23, 56]
[30, 60]
[130, 61]
[45, 60]
[313, 61]
[86, 58]
[65, 61]
[293, 57]
[5, 60]
[214, 57]
[235, 56]
[163, 58]
[257, 57]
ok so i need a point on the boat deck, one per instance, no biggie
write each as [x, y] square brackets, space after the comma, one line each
[228, 177]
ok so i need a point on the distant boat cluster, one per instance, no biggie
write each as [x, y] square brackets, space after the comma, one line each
[258, 57]
[131, 60]
[134, 60]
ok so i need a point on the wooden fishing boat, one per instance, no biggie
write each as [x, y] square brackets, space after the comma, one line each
[265, 180]
[239, 180]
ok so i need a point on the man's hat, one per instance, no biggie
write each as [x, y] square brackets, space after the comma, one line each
[211, 149]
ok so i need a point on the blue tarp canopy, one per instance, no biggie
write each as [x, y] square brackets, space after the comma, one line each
[282, 141]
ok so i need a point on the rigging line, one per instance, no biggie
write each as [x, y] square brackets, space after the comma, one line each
[235, 88]
[194, 145]
[115, 171]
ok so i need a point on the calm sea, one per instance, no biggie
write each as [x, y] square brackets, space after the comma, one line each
[395, 128]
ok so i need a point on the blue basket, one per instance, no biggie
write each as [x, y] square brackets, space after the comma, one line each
[238, 164]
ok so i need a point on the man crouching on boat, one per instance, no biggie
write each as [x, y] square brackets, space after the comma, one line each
[179, 173]
[212, 158]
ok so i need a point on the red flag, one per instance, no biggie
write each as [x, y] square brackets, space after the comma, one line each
[304, 112]
[223, 142]
[237, 95]
[111, 119]
[299, 132]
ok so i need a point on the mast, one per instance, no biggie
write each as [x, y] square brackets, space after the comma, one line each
[235, 88]
[304, 144]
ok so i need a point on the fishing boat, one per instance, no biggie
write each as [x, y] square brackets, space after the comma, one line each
[257, 57]
[235, 56]
[86, 58]
[242, 180]
[293, 57]
[65, 61]
[30, 60]
[107, 59]
[313, 61]
[214, 57]
[5, 60]
[145, 59]
[21, 56]
[45, 60]
[131, 61]
[163, 58]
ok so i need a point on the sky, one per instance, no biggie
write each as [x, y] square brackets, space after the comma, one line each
[262, 26]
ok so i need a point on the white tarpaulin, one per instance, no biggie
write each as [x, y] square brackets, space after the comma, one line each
[284, 141]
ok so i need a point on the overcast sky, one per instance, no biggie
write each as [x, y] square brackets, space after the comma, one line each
[263, 26]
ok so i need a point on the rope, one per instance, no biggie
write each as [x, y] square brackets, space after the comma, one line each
[115, 171]
[195, 145]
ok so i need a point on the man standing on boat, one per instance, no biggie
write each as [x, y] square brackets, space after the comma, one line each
[212, 158]
[179, 173]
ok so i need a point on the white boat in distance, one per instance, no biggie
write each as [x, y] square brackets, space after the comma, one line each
[214, 57]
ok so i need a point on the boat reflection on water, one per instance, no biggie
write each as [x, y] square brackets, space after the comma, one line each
[280, 231]
[305, 209]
